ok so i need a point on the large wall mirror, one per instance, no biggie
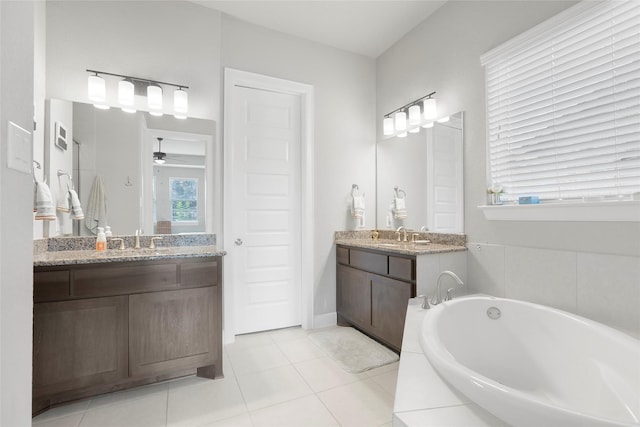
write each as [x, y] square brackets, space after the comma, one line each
[426, 170]
[154, 171]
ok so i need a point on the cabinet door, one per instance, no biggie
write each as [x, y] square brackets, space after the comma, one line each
[354, 296]
[79, 343]
[172, 330]
[388, 308]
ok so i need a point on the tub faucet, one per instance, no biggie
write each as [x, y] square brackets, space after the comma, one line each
[437, 298]
[425, 302]
[404, 233]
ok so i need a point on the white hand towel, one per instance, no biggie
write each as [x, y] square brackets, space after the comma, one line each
[400, 208]
[76, 208]
[62, 204]
[44, 203]
[96, 212]
[357, 207]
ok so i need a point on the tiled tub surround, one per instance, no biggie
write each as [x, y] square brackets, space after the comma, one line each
[422, 397]
[81, 250]
[601, 287]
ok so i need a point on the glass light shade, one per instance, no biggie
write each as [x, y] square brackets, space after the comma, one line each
[101, 106]
[387, 126]
[180, 101]
[128, 110]
[428, 125]
[414, 130]
[154, 97]
[414, 115]
[96, 89]
[445, 119]
[178, 116]
[430, 109]
[402, 135]
[401, 121]
[159, 161]
[125, 93]
[156, 113]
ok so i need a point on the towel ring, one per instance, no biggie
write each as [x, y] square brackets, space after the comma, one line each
[69, 182]
[36, 165]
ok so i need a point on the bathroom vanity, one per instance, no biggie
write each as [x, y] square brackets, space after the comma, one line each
[376, 278]
[111, 321]
[372, 291]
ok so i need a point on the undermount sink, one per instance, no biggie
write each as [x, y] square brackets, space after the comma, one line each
[390, 245]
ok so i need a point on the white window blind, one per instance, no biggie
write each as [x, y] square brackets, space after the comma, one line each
[563, 106]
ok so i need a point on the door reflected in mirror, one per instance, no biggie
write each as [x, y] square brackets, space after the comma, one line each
[427, 170]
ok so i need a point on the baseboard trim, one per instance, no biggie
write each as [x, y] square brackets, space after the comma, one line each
[325, 320]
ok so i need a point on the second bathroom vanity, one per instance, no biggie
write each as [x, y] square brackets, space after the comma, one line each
[108, 321]
[376, 278]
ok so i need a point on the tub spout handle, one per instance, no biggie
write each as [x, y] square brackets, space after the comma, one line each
[425, 302]
[449, 296]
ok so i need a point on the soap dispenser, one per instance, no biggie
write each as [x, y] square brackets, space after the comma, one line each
[101, 242]
[107, 231]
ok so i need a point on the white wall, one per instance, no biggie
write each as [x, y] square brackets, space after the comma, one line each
[39, 95]
[344, 152]
[99, 35]
[516, 259]
[169, 41]
[16, 227]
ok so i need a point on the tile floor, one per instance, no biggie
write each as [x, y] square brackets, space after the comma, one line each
[277, 378]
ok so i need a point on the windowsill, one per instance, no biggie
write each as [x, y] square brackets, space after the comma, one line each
[625, 211]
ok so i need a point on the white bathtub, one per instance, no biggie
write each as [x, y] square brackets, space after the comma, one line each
[534, 365]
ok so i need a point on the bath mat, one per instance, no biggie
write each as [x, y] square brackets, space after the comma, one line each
[354, 351]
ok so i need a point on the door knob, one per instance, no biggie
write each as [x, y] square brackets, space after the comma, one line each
[239, 242]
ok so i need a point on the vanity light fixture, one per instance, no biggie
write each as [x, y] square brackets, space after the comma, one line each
[96, 88]
[130, 86]
[126, 91]
[180, 103]
[154, 99]
[401, 121]
[410, 117]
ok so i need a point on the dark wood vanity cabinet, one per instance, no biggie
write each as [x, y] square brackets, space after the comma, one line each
[105, 327]
[372, 292]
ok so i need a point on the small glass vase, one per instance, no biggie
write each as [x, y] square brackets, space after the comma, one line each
[495, 199]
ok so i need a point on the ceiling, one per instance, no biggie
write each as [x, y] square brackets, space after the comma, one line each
[360, 26]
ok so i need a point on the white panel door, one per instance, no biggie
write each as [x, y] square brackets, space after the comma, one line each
[265, 132]
[445, 200]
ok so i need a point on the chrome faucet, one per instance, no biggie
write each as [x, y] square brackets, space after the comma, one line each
[425, 302]
[137, 241]
[437, 298]
[423, 228]
[404, 233]
[152, 245]
[118, 239]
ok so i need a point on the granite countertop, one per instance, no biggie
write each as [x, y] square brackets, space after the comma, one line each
[387, 241]
[81, 250]
[72, 257]
[405, 248]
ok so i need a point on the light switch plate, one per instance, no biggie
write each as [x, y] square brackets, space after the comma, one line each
[19, 148]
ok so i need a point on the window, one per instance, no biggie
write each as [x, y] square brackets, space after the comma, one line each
[184, 199]
[563, 106]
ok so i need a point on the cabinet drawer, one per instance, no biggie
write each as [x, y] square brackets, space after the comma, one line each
[122, 280]
[401, 268]
[199, 274]
[50, 285]
[342, 255]
[373, 262]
